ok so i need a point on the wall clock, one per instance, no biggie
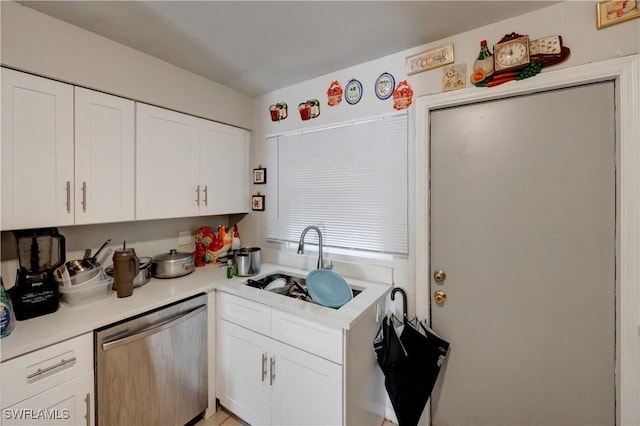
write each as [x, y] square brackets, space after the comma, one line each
[511, 53]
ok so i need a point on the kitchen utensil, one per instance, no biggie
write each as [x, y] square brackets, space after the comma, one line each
[172, 265]
[125, 269]
[95, 256]
[87, 263]
[328, 288]
[246, 261]
[144, 272]
[40, 253]
[62, 275]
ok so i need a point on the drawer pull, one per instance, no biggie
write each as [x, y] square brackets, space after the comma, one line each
[68, 189]
[62, 363]
[84, 197]
[87, 401]
[272, 377]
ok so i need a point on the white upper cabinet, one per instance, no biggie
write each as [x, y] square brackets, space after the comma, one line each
[187, 166]
[224, 168]
[167, 161]
[37, 151]
[76, 156]
[104, 158]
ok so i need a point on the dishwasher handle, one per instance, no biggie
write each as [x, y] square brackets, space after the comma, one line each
[153, 329]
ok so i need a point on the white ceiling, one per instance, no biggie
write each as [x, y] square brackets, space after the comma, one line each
[260, 46]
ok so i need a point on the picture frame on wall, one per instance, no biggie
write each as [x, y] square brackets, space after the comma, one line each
[257, 202]
[260, 176]
[430, 59]
[613, 12]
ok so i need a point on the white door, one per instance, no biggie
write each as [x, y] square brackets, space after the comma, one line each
[70, 403]
[167, 170]
[223, 169]
[523, 224]
[37, 151]
[104, 158]
[243, 382]
[307, 389]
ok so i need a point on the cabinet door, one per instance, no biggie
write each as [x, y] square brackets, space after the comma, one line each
[37, 151]
[242, 373]
[306, 390]
[224, 160]
[104, 158]
[70, 403]
[167, 168]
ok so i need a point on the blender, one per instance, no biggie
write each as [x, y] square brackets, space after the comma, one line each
[40, 253]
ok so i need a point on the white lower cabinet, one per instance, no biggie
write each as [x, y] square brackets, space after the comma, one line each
[51, 386]
[70, 403]
[267, 382]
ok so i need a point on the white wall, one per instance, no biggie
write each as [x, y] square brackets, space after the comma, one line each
[40, 44]
[575, 21]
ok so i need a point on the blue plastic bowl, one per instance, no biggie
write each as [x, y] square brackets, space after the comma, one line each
[328, 288]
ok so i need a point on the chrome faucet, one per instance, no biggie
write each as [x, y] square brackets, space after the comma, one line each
[301, 245]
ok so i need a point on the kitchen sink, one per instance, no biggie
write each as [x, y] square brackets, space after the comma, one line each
[288, 285]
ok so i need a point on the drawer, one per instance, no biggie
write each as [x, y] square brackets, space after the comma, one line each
[38, 371]
[307, 335]
[246, 313]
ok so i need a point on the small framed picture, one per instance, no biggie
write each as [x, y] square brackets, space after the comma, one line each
[454, 77]
[615, 11]
[430, 59]
[257, 202]
[259, 176]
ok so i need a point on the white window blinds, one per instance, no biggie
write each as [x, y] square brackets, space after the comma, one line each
[349, 180]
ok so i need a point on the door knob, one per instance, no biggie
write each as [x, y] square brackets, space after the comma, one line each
[439, 275]
[440, 297]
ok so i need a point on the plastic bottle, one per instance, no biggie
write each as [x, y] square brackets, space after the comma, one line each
[7, 318]
[229, 269]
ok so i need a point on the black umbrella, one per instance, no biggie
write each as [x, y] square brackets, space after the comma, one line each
[410, 363]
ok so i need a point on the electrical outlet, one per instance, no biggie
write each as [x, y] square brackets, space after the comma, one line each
[184, 238]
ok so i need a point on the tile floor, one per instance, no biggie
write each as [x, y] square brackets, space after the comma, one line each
[223, 417]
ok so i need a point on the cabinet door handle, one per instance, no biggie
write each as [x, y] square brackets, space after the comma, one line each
[40, 371]
[198, 195]
[68, 196]
[87, 402]
[206, 196]
[264, 366]
[84, 197]
[272, 377]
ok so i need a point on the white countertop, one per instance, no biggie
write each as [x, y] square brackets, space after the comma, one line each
[68, 322]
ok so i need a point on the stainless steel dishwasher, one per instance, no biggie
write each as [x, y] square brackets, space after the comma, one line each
[152, 369]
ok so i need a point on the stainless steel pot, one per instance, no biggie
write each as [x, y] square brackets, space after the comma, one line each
[172, 265]
[144, 272]
[246, 261]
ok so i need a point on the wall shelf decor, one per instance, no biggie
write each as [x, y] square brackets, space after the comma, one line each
[260, 175]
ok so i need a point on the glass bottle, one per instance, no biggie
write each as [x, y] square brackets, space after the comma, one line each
[484, 63]
[229, 269]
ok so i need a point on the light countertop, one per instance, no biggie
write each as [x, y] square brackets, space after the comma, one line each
[68, 322]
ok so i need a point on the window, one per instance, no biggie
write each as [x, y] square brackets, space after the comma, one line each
[350, 180]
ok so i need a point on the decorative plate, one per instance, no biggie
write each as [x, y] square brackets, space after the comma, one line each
[353, 92]
[384, 86]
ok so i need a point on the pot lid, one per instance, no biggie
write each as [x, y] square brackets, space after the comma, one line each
[173, 256]
[328, 288]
